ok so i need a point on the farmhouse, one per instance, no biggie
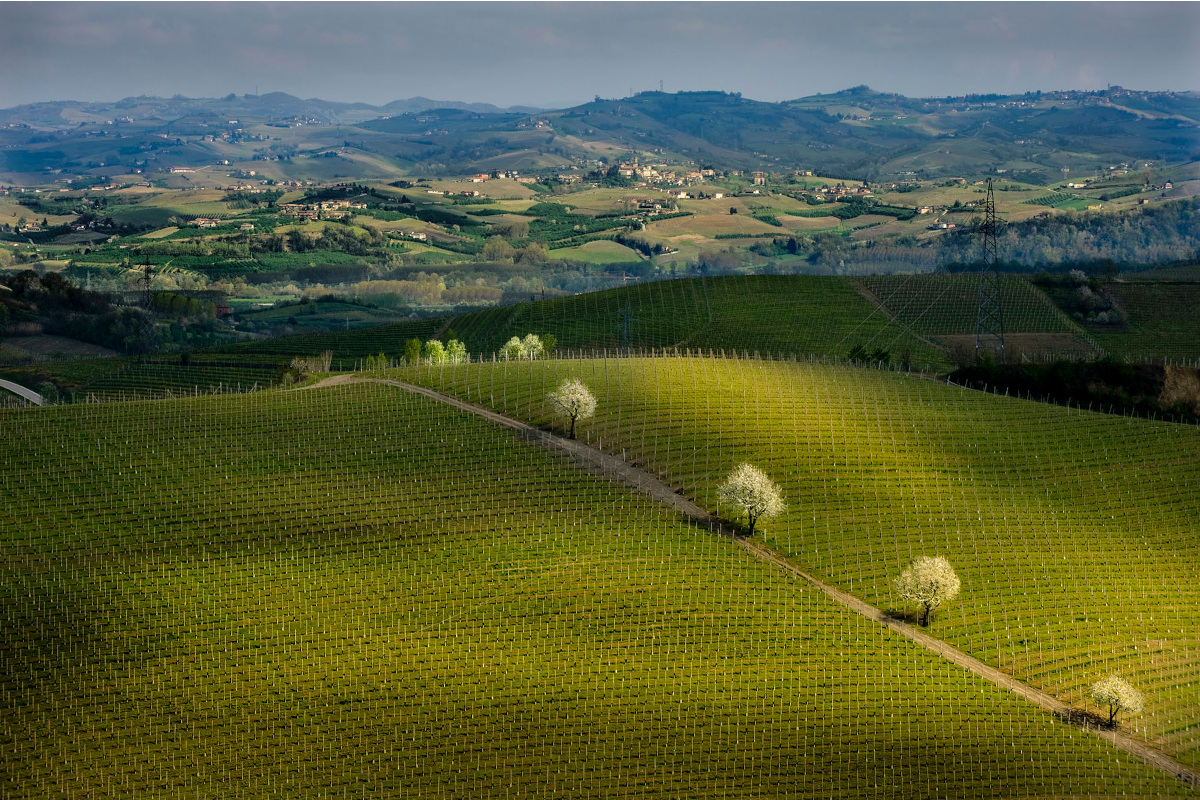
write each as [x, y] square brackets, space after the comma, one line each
[181, 170]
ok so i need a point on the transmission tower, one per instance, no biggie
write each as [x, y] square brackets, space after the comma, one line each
[989, 316]
[147, 274]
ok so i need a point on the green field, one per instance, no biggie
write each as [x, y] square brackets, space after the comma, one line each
[1162, 321]
[128, 378]
[599, 252]
[792, 314]
[943, 308]
[823, 317]
[322, 315]
[1073, 532]
[305, 594]
[929, 317]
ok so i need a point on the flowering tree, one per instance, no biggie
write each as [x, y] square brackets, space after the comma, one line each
[928, 583]
[572, 399]
[1118, 695]
[511, 349]
[749, 489]
[529, 347]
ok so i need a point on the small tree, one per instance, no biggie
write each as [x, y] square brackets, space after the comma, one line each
[1118, 695]
[435, 351]
[531, 346]
[928, 583]
[749, 489]
[511, 349]
[572, 399]
[456, 351]
[412, 351]
[549, 342]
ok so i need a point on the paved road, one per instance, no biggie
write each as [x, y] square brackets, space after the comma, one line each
[28, 394]
[615, 467]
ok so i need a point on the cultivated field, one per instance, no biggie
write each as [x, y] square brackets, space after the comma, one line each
[1073, 532]
[327, 592]
[1162, 321]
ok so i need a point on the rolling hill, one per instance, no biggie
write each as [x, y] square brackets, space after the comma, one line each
[857, 134]
[328, 592]
[1071, 530]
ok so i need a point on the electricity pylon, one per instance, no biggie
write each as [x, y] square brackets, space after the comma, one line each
[989, 314]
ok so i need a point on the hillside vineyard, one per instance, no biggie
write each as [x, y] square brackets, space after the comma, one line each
[1066, 522]
[355, 590]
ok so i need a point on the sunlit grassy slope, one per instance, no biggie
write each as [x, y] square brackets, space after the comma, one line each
[1074, 533]
[358, 592]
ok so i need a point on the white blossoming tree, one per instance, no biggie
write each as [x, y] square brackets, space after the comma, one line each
[572, 399]
[928, 583]
[749, 489]
[531, 346]
[511, 349]
[1118, 695]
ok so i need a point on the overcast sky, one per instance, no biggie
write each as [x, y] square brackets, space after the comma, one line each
[558, 54]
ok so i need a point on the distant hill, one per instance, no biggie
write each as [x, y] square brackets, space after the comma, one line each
[857, 133]
[270, 107]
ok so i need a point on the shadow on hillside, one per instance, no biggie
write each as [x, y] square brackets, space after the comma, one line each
[906, 616]
[1086, 719]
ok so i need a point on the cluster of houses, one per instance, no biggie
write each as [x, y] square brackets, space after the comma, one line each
[842, 192]
[213, 222]
[660, 174]
[325, 209]
[483, 177]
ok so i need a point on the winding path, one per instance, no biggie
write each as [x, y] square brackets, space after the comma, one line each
[615, 467]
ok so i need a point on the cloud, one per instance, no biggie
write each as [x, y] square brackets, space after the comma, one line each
[539, 53]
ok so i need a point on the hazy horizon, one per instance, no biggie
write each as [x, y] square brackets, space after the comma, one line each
[554, 55]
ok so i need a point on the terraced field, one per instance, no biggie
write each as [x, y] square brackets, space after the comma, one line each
[1073, 533]
[328, 593]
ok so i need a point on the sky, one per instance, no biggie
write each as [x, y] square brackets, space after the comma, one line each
[562, 54]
